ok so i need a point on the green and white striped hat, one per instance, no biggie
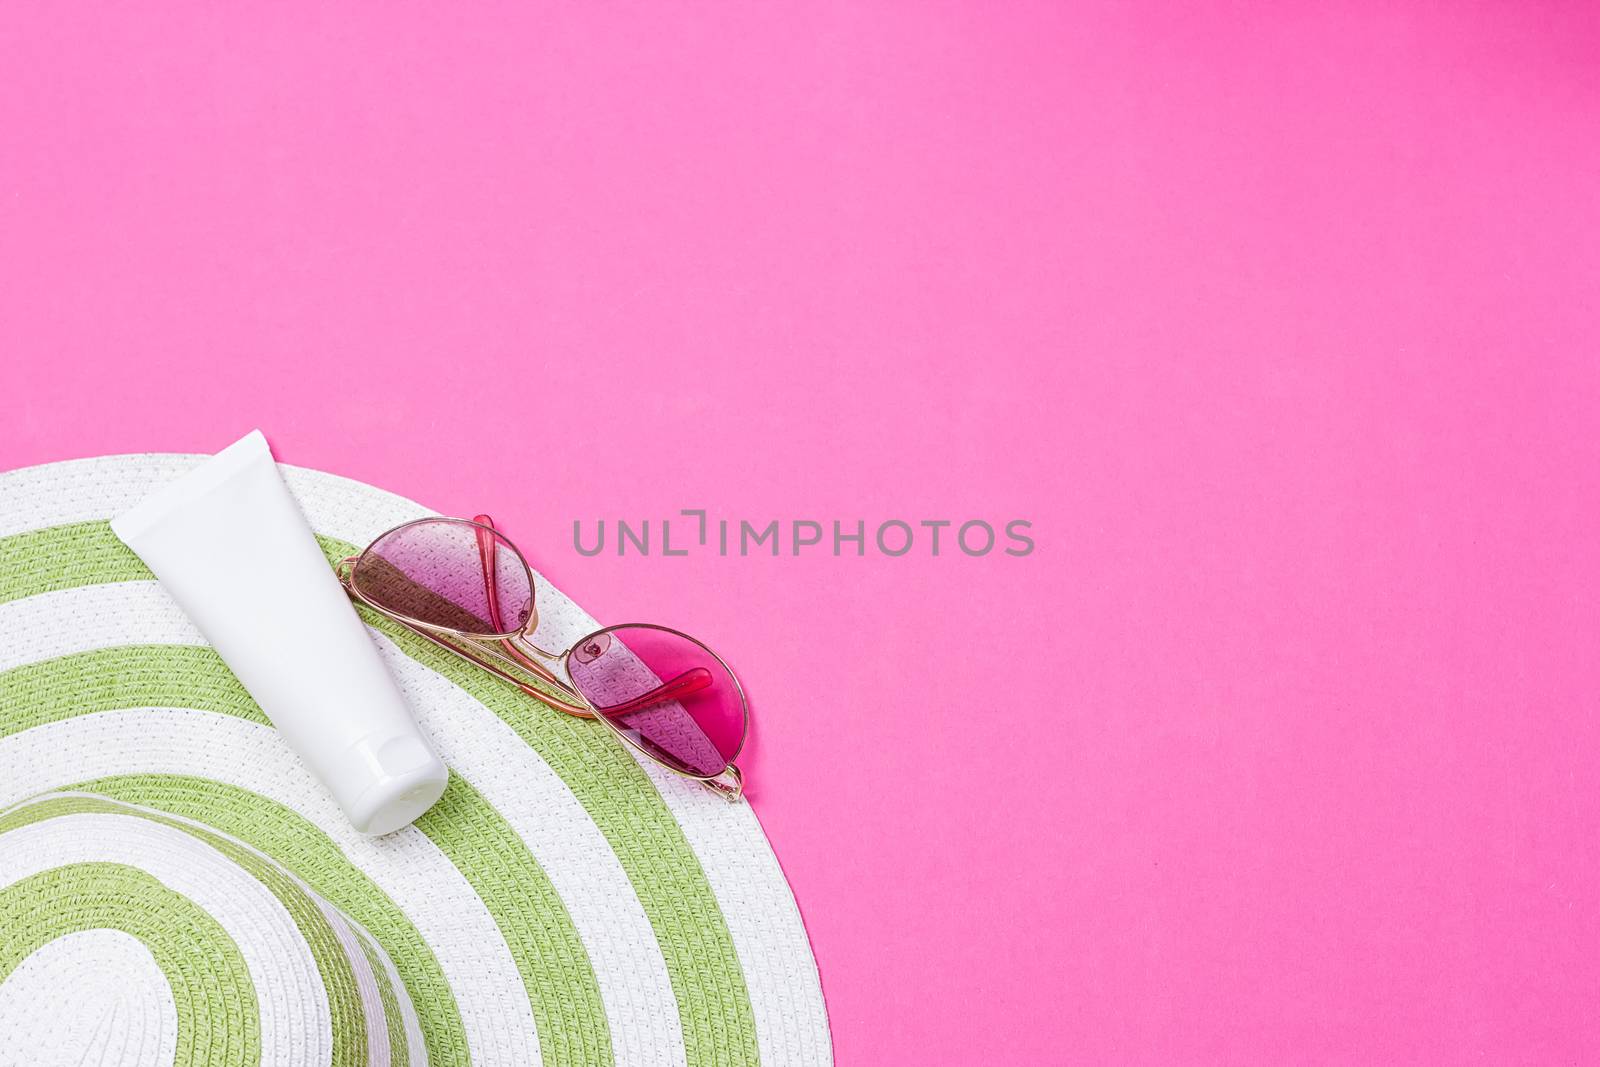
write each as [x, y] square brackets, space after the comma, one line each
[176, 888]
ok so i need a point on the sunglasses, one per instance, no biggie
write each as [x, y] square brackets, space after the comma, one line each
[464, 586]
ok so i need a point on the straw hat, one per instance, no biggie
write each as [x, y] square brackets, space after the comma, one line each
[176, 888]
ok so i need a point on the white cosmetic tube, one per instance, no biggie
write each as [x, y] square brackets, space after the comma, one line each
[230, 545]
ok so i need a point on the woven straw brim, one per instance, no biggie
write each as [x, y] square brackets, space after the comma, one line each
[176, 888]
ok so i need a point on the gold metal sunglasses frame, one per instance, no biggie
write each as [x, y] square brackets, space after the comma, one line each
[503, 656]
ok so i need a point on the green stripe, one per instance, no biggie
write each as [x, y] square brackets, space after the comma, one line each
[301, 846]
[562, 990]
[64, 557]
[219, 1022]
[130, 676]
[346, 1014]
[708, 984]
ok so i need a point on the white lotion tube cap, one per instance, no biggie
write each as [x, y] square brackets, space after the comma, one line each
[230, 545]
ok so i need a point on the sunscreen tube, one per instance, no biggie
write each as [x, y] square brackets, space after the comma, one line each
[230, 545]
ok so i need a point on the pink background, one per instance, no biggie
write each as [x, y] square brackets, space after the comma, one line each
[1280, 326]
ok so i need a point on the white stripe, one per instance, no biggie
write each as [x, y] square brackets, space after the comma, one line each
[94, 998]
[89, 617]
[406, 866]
[296, 1027]
[79, 490]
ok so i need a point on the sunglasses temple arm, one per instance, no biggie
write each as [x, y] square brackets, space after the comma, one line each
[533, 666]
[690, 681]
[571, 707]
[500, 672]
[488, 552]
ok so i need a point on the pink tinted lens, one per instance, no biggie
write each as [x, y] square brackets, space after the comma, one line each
[666, 693]
[449, 573]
